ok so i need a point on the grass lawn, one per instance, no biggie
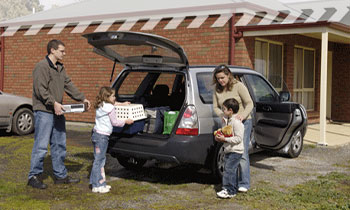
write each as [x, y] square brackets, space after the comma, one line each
[331, 191]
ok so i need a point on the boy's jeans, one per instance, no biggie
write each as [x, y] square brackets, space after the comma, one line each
[244, 165]
[229, 179]
[49, 128]
[100, 143]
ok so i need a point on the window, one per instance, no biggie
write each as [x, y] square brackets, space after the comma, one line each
[304, 77]
[205, 87]
[262, 91]
[268, 61]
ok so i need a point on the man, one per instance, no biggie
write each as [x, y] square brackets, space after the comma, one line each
[50, 81]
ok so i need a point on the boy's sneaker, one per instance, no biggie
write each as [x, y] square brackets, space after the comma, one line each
[108, 186]
[242, 189]
[224, 194]
[101, 189]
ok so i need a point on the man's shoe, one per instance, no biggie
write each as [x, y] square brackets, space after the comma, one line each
[35, 182]
[66, 180]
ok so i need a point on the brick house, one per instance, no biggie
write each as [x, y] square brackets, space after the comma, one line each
[296, 54]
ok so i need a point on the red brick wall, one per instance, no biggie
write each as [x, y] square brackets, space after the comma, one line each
[89, 71]
[341, 83]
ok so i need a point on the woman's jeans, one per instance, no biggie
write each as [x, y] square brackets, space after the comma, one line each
[49, 128]
[229, 179]
[244, 165]
[100, 143]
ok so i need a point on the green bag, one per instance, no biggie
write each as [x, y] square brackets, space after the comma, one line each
[169, 121]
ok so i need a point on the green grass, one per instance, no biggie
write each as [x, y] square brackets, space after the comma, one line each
[331, 191]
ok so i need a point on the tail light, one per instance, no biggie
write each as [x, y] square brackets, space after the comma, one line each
[189, 122]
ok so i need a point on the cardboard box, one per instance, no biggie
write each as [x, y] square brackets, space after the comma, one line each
[131, 111]
[136, 127]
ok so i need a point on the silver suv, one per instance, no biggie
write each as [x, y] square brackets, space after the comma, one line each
[157, 74]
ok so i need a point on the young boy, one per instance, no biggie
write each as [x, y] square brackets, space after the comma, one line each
[233, 148]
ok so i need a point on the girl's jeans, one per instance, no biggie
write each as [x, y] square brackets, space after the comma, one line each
[229, 179]
[244, 165]
[49, 128]
[100, 143]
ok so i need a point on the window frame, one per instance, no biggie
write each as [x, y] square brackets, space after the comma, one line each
[304, 90]
[267, 65]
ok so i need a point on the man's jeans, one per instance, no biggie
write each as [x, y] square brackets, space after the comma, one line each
[244, 165]
[100, 143]
[229, 179]
[49, 128]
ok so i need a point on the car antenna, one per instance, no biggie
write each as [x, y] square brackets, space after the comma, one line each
[115, 62]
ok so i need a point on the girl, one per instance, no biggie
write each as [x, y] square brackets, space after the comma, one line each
[228, 87]
[104, 122]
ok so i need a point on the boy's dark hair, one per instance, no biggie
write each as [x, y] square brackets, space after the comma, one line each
[53, 44]
[231, 103]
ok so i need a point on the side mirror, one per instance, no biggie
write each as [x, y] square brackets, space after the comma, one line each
[284, 96]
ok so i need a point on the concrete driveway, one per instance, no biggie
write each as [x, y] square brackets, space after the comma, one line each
[336, 134]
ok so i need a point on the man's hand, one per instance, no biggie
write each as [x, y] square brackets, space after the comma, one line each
[58, 108]
[88, 103]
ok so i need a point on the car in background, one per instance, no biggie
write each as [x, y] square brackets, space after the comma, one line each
[16, 114]
[157, 75]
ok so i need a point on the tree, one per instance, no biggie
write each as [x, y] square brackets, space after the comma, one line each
[10, 9]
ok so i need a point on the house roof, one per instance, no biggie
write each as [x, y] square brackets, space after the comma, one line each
[106, 12]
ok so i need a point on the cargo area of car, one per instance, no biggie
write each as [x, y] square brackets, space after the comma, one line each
[161, 95]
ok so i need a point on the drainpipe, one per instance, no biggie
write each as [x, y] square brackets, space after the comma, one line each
[2, 64]
[234, 34]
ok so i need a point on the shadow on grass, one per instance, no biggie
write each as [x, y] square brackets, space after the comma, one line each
[72, 166]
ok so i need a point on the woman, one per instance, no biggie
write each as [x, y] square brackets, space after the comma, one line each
[228, 87]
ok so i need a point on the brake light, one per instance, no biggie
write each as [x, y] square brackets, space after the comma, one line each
[189, 122]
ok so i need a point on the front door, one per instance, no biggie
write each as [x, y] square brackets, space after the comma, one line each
[272, 118]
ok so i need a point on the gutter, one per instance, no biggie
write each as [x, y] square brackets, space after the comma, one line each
[234, 34]
[2, 59]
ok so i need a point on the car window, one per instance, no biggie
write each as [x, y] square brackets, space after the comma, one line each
[131, 83]
[205, 87]
[262, 91]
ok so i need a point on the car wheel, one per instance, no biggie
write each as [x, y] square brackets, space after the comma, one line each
[23, 122]
[218, 162]
[296, 145]
[131, 163]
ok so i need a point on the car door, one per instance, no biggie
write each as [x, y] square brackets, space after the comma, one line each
[271, 117]
[4, 110]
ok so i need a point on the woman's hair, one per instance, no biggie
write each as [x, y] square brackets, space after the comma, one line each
[103, 96]
[223, 68]
[231, 103]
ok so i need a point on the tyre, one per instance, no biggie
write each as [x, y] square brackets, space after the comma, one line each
[23, 122]
[218, 161]
[296, 145]
[130, 163]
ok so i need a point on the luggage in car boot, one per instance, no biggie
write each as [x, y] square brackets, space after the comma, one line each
[155, 118]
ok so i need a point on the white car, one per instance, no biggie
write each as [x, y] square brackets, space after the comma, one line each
[16, 114]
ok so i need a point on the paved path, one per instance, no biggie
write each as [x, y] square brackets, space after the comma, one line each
[336, 134]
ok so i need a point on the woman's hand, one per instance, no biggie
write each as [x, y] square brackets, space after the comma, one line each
[238, 117]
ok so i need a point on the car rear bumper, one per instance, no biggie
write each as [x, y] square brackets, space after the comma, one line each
[177, 149]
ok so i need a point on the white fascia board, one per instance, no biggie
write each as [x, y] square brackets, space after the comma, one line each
[296, 31]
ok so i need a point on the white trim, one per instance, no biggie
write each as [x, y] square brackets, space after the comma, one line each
[320, 29]
[323, 94]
